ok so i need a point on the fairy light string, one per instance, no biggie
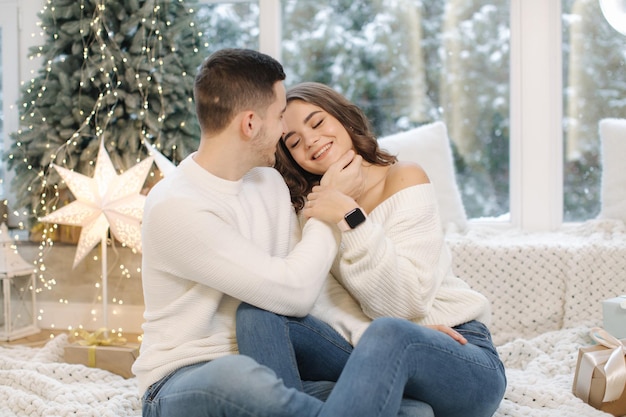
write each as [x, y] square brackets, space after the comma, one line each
[123, 81]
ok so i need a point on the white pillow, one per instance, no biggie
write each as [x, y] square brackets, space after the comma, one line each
[429, 146]
[613, 155]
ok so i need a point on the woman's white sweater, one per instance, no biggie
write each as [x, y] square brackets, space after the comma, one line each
[397, 264]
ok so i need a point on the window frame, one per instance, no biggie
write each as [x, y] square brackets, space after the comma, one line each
[536, 148]
[9, 22]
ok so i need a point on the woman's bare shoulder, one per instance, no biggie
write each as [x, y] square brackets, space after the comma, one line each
[395, 178]
[404, 174]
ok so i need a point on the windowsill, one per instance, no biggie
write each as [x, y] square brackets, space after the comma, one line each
[505, 225]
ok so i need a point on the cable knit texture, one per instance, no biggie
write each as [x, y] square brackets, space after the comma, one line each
[397, 264]
[542, 282]
[37, 383]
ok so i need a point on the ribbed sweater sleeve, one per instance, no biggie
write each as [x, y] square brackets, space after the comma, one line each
[397, 264]
[391, 263]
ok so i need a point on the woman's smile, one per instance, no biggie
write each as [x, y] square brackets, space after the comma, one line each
[322, 152]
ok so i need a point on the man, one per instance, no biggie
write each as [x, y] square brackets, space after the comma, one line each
[219, 230]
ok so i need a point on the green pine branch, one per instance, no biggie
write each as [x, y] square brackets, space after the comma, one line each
[122, 71]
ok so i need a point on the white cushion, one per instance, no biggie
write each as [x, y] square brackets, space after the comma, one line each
[613, 155]
[429, 146]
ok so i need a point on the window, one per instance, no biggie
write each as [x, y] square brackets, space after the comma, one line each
[8, 84]
[524, 93]
[2, 139]
[407, 63]
[229, 24]
[594, 78]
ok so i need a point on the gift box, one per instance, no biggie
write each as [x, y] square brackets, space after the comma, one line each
[600, 376]
[614, 316]
[96, 351]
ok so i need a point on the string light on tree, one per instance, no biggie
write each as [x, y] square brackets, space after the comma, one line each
[120, 69]
[106, 201]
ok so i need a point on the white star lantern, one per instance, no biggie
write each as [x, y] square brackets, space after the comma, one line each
[165, 165]
[105, 201]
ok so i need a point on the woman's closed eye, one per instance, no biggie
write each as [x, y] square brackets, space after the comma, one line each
[293, 142]
[315, 125]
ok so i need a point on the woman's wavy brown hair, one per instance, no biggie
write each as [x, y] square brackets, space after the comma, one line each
[299, 181]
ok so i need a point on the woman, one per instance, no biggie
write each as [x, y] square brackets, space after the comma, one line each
[393, 262]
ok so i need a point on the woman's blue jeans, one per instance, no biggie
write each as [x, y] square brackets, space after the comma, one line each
[393, 355]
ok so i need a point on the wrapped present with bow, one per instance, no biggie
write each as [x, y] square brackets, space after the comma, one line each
[101, 350]
[614, 316]
[600, 378]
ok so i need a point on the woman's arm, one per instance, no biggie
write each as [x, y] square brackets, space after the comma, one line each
[393, 263]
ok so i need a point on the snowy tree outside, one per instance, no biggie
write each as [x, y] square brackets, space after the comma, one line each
[594, 74]
[406, 63]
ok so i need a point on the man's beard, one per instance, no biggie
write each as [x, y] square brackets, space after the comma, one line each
[268, 155]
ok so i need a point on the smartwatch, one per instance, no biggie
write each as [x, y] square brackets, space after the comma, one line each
[351, 220]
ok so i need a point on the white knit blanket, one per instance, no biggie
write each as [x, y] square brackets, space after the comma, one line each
[544, 281]
[540, 374]
[36, 382]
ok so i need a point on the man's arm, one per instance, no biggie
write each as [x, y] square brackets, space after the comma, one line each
[205, 249]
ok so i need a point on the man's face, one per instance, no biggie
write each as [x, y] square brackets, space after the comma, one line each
[273, 127]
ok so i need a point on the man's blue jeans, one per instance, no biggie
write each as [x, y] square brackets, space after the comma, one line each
[454, 379]
[237, 386]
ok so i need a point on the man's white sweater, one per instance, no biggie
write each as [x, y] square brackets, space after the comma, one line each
[208, 244]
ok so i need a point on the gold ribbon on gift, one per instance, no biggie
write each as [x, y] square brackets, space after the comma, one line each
[615, 366]
[98, 338]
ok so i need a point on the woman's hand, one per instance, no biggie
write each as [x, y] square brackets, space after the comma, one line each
[328, 204]
[345, 175]
[449, 331]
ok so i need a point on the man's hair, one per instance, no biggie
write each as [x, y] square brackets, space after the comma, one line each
[233, 80]
[299, 181]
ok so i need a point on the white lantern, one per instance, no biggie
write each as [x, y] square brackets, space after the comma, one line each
[18, 314]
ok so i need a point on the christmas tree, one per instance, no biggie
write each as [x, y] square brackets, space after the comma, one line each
[112, 70]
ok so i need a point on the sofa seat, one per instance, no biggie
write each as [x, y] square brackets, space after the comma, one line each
[541, 282]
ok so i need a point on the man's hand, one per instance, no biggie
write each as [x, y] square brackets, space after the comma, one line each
[345, 175]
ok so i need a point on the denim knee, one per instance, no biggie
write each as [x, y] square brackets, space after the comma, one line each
[393, 329]
[233, 385]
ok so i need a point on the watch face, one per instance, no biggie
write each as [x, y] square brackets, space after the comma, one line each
[355, 218]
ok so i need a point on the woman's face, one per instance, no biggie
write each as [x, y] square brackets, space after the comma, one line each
[314, 138]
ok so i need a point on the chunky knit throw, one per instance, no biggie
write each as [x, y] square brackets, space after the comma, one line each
[36, 382]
